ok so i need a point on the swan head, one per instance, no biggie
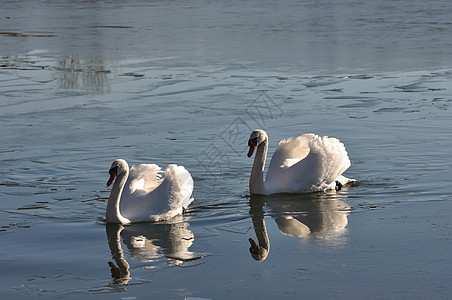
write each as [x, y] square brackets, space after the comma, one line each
[259, 253]
[257, 137]
[117, 168]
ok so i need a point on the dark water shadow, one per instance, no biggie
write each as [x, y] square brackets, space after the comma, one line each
[318, 217]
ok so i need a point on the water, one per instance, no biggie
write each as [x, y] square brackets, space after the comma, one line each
[83, 83]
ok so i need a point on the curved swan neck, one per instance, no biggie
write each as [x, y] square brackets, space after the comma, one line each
[257, 216]
[114, 243]
[113, 214]
[257, 173]
[261, 233]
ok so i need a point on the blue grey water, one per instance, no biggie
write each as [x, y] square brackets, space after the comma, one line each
[85, 82]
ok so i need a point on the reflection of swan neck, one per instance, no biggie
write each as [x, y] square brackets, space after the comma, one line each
[114, 243]
[113, 214]
[261, 233]
[257, 173]
[259, 251]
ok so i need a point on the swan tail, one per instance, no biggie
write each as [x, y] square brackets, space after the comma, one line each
[333, 160]
[181, 186]
[346, 181]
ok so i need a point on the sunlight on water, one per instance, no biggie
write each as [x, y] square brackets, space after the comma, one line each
[136, 82]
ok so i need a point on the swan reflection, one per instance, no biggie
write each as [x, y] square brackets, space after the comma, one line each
[321, 218]
[147, 242]
[119, 273]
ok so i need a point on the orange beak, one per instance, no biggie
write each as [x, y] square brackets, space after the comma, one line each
[112, 178]
[251, 151]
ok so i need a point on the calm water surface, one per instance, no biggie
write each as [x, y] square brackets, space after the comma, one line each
[83, 83]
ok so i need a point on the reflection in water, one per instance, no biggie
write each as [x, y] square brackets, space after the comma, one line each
[318, 216]
[259, 251]
[72, 72]
[120, 273]
[83, 74]
[147, 242]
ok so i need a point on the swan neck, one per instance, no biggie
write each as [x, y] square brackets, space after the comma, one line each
[258, 218]
[257, 173]
[114, 243]
[113, 214]
[261, 232]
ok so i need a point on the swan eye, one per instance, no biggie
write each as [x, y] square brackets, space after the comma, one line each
[113, 171]
[252, 142]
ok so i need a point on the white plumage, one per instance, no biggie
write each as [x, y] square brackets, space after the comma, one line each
[146, 193]
[303, 164]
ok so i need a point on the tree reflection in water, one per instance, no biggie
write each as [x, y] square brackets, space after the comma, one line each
[320, 217]
[78, 73]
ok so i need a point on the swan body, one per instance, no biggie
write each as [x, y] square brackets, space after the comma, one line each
[307, 163]
[141, 194]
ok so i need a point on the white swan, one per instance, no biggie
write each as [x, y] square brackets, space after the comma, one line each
[306, 163]
[142, 195]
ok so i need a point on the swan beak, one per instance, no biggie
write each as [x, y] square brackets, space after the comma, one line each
[252, 148]
[115, 272]
[112, 178]
[253, 244]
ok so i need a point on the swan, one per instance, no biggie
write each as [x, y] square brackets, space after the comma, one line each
[141, 194]
[307, 163]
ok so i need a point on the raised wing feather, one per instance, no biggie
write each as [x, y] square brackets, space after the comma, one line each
[306, 163]
[164, 201]
[289, 152]
[144, 177]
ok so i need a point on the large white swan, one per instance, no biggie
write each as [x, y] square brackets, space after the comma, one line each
[141, 194]
[306, 163]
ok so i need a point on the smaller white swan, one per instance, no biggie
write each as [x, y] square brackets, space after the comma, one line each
[306, 163]
[141, 194]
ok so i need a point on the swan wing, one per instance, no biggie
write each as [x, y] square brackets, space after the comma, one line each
[288, 153]
[165, 201]
[144, 177]
[180, 186]
[326, 161]
[293, 227]
[313, 164]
